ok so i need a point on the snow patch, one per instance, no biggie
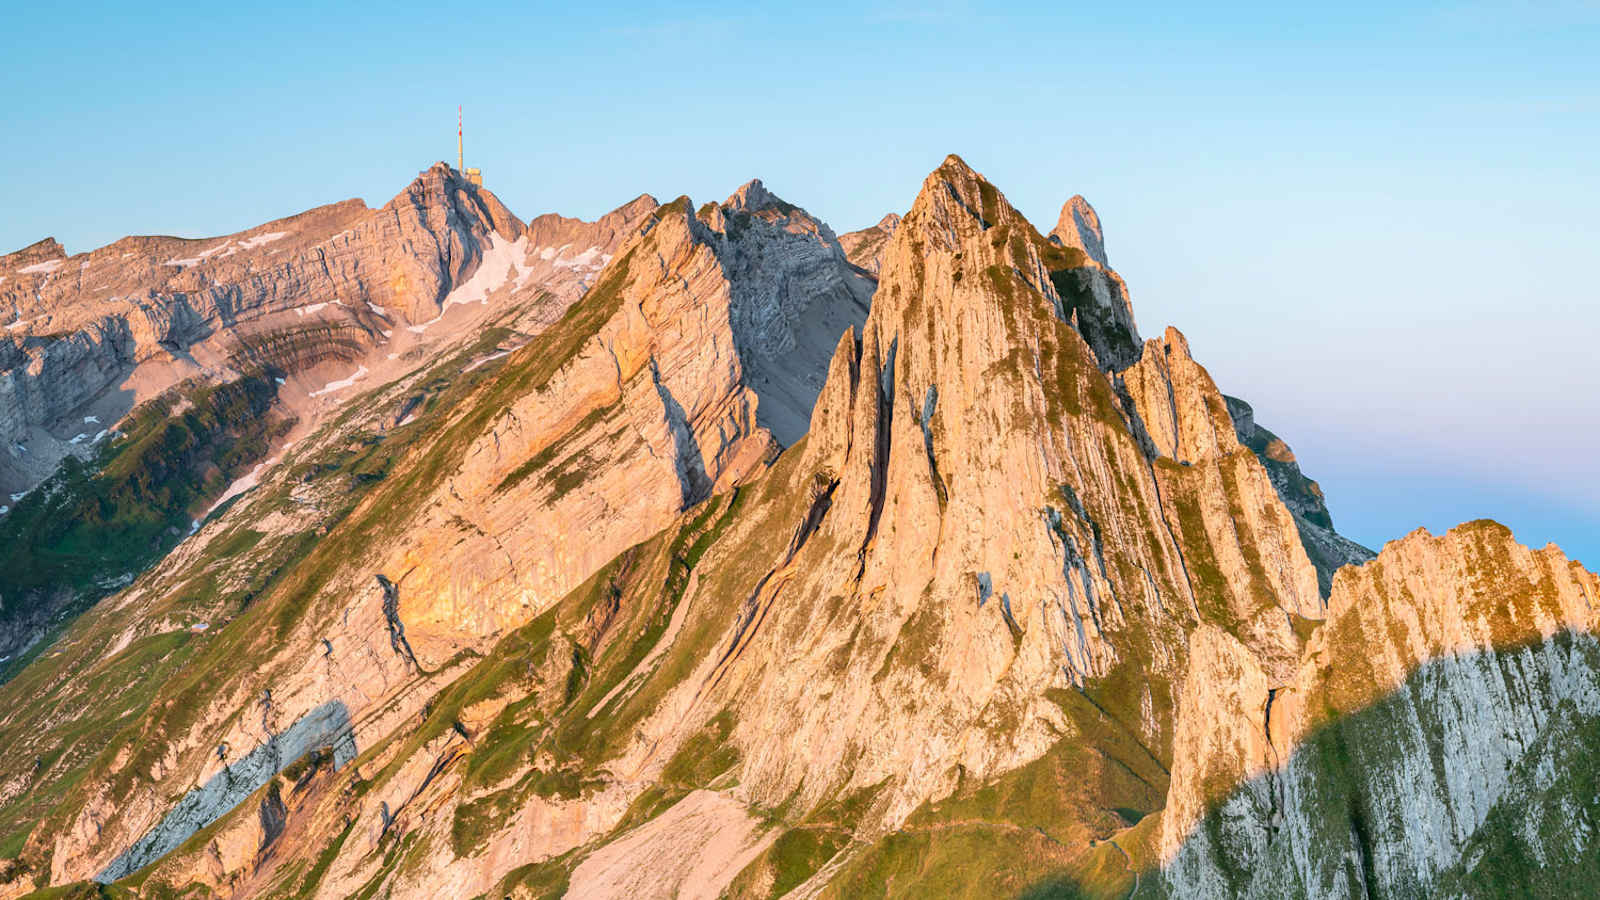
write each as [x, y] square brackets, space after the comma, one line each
[228, 248]
[244, 483]
[79, 439]
[481, 360]
[48, 266]
[198, 258]
[524, 271]
[260, 239]
[592, 259]
[91, 420]
[17, 324]
[341, 384]
[499, 260]
[313, 308]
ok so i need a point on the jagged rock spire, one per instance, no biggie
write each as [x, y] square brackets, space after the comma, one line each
[1079, 226]
[751, 196]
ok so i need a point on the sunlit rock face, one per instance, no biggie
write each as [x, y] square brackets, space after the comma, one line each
[88, 336]
[700, 552]
[865, 248]
[695, 359]
[1442, 715]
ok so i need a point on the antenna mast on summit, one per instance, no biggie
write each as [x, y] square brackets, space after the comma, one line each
[473, 176]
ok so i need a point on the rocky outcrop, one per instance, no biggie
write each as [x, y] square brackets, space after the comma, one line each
[1427, 718]
[693, 361]
[327, 726]
[1093, 293]
[1327, 548]
[91, 335]
[1078, 227]
[1021, 604]
[970, 407]
[564, 255]
[793, 295]
[865, 248]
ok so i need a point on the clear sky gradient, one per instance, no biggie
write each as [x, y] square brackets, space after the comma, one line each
[1374, 223]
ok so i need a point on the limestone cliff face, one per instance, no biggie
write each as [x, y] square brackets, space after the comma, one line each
[865, 248]
[1434, 717]
[1095, 295]
[718, 583]
[93, 334]
[695, 359]
[646, 397]
[336, 298]
[969, 409]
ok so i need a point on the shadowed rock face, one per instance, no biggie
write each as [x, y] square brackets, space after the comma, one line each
[1327, 549]
[717, 582]
[325, 726]
[701, 350]
[1437, 717]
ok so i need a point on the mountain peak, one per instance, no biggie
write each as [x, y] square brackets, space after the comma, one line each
[955, 164]
[442, 188]
[865, 248]
[636, 207]
[36, 252]
[954, 198]
[751, 196]
[1079, 226]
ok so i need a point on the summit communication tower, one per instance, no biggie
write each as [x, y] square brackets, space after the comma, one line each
[474, 176]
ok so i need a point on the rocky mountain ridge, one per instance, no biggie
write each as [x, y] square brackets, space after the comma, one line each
[716, 582]
[314, 306]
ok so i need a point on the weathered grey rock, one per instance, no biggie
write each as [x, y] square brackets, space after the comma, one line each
[95, 333]
[1439, 690]
[1025, 578]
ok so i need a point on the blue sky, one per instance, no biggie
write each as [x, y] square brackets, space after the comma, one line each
[1374, 222]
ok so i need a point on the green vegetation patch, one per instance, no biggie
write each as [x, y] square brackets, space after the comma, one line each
[795, 856]
[90, 523]
[704, 756]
